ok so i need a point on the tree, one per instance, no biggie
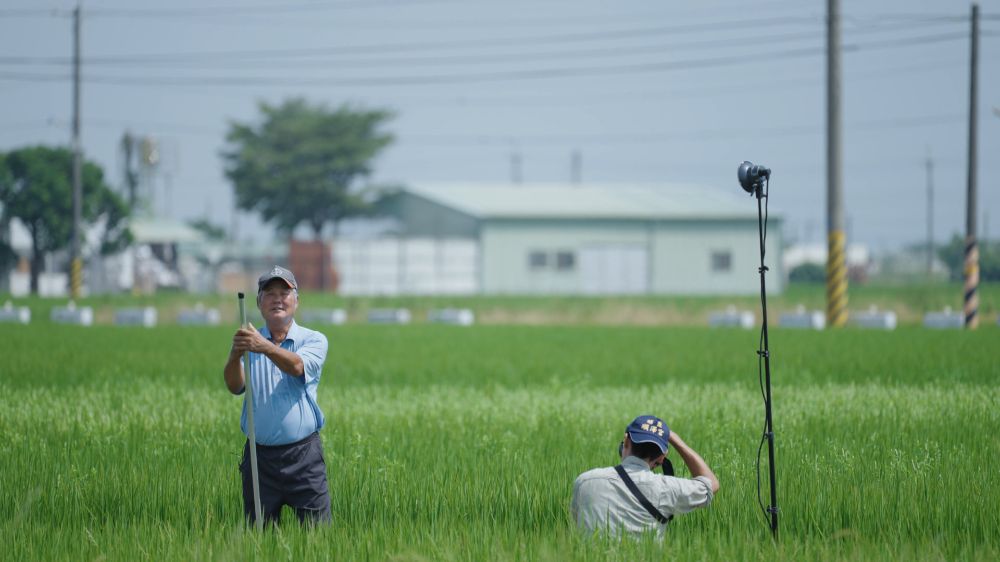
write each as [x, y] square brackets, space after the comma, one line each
[807, 273]
[211, 231]
[36, 188]
[953, 255]
[301, 163]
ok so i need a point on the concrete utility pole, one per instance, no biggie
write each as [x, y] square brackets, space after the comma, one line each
[515, 167]
[576, 167]
[971, 247]
[930, 214]
[76, 265]
[836, 266]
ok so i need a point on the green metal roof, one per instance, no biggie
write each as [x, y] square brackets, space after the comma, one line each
[589, 201]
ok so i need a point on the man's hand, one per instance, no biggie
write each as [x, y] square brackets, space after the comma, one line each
[675, 440]
[249, 339]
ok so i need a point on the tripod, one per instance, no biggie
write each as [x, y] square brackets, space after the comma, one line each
[760, 192]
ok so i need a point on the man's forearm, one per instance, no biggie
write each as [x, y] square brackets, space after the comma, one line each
[289, 362]
[696, 465]
[233, 373]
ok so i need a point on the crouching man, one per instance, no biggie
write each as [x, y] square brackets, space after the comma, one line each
[630, 497]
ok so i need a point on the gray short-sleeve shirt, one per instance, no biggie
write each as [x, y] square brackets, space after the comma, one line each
[602, 502]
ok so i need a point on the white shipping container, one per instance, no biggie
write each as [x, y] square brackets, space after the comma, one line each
[456, 316]
[803, 319]
[389, 316]
[71, 314]
[145, 316]
[944, 320]
[15, 314]
[732, 318]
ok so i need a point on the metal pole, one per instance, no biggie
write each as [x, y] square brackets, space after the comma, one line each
[252, 440]
[971, 246]
[76, 265]
[930, 214]
[766, 354]
[836, 268]
[516, 175]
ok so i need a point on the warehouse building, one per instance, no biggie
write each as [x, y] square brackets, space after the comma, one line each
[592, 239]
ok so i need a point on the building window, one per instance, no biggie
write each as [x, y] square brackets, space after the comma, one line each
[722, 261]
[537, 260]
[565, 260]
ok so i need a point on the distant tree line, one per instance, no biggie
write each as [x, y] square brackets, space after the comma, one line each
[951, 254]
[299, 163]
[36, 188]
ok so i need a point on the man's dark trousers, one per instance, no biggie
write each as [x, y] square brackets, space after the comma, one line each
[293, 475]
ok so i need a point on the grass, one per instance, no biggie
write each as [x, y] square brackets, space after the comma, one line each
[462, 444]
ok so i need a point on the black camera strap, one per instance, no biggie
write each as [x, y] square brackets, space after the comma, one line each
[642, 499]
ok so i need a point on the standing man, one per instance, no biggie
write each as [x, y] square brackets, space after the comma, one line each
[286, 363]
[630, 498]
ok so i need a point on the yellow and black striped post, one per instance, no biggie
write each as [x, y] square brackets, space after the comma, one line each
[836, 281]
[971, 269]
[836, 264]
[75, 277]
[971, 283]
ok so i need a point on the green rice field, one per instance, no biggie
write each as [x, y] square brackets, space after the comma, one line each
[447, 443]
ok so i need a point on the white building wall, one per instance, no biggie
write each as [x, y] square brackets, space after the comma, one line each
[627, 257]
[595, 246]
[687, 255]
[412, 266]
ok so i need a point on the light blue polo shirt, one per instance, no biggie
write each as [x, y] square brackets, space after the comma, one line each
[285, 408]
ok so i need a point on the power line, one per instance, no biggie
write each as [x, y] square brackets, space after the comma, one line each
[282, 8]
[704, 134]
[592, 98]
[254, 9]
[546, 139]
[488, 76]
[409, 47]
[207, 60]
[464, 58]
[34, 12]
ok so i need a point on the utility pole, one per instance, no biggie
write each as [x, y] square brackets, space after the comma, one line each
[971, 247]
[576, 167]
[129, 174]
[515, 167]
[836, 266]
[930, 213]
[76, 265]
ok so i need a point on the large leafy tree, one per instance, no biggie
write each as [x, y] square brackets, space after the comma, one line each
[301, 163]
[36, 187]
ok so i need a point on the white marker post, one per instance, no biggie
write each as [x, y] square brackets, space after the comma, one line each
[250, 426]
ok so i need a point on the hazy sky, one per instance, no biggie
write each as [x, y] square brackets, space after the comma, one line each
[646, 91]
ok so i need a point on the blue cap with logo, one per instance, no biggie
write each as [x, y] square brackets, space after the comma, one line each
[649, 429]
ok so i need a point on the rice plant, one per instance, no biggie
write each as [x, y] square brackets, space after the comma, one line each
[462, 444]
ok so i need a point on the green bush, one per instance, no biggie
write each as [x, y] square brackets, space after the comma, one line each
[808, 273]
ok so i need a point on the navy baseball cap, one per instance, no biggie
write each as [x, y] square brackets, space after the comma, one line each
[649, 429]
[277, 272]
